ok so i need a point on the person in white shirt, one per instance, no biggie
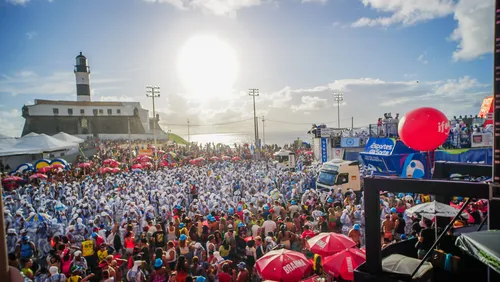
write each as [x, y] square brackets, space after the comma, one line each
[269, 225]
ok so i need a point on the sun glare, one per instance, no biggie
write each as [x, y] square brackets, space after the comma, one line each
[207, 67]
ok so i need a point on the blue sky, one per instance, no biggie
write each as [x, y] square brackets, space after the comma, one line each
[298, 53]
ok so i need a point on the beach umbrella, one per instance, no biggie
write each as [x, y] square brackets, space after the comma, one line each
[309, 153]
[163, 163]
[236, 159]
[200, 159]
[115, 170]
[38, 176]
[146, 164]
[60, 206]
[38, 217]
[56, 166]
[344, 263]
[108, 161]
[44, 169]
[214, 158]
[84, 165]
[226, 158]
[326, 244]
[137, 166]
[106, 170]
[12, 179]
[115, 164]
[283, 265]
[136, 170]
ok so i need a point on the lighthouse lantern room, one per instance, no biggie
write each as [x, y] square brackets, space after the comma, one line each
[82, 75]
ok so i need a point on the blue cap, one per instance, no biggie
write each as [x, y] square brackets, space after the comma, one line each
[294, 202]
[178, 207]
[158, 262]
[418, 202]
[330, 200]
[181, 225]
[403, 236]
[231, 210]
[401, 195]
[356, 227]
[26, 238]
[266, 207]
[183, 237]
[460, 199]
[240, 209]
[241, 225]
[393, 210]
[201, 279]
[94, 235]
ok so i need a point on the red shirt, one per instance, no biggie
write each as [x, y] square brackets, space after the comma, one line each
[225, 277]
[309, 233]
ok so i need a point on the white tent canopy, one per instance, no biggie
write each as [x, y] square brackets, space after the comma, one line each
[63, 136]
[35, 144]
[31, 134]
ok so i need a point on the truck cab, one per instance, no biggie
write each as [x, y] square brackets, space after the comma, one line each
[285, 159]
[339, 174]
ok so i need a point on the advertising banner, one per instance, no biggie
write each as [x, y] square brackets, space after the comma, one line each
[350, 142]
[380, 146]
[479, 155]
[326, 132]
[147, 152]
[482, 140]
[324, 151]
[338, 153]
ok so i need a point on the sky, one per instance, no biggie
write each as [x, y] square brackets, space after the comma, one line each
[383, 55]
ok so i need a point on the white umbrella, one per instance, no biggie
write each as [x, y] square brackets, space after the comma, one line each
[432, 209]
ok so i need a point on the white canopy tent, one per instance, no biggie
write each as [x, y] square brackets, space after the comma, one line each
[35, 144]
[63, 136]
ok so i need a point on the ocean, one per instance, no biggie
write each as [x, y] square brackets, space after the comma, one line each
[280, 138]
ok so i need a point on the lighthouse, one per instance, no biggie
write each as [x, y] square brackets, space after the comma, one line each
[82, 75]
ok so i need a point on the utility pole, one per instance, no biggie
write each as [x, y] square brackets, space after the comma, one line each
[188, 132]
[352, 123]
[254, 92]
[339, 97]
[129, 142]
[154, 91]
[263, 131]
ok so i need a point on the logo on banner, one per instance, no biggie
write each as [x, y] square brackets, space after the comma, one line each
[349, 142]
[324, 153]
[380, 146]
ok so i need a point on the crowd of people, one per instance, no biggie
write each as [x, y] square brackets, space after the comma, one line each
[206, 222]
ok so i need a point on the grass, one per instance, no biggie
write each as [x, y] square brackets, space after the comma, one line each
[177, 139]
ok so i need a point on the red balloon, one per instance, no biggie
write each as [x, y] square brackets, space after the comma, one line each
[424, 129]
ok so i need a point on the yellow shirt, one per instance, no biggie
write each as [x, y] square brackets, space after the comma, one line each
[87, 248]
[102, 255]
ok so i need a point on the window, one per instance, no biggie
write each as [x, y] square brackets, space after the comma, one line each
[101, 111]
[82, 61]
[94, 111]
[82, 111]
[343, 178]
[110, 111]
[55, 111]
[118, 111]
[70, 112]
[327, 178]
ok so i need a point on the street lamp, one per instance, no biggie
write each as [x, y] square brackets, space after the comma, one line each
[254, 92]
[339, 97]
[153, 91]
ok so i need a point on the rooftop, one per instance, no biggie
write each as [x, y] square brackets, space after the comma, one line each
[82, 103]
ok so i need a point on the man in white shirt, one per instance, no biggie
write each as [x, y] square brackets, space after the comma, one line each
[269, 225]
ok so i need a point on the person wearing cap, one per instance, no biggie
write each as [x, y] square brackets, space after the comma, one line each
[243, 274]
[55, 276]
[355, 234]
[79, 261]
[160, 272]
[76, 275]
[26, 248]
[293, 208]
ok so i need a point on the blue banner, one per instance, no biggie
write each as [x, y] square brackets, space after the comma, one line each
[479, 156]
[380, 146]
[402, 165]
[349, 142]
[324, 152]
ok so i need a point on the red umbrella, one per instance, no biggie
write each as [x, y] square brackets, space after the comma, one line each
[226, 158]
[56, 166]
[115, 164]
[38, 175]
[248, 239]
[106, 170]
[139, 166]
[343, 263]
[108, 161]
[326, 244]
[146, 164]
[115, 170]
[236, 159]
[214, 158]
[163, 163]
[12, 179]
[44, 169]
[309, 153]
[283, 265]
[83, 165]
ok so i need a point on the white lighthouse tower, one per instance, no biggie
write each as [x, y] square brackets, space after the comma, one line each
[82, 74]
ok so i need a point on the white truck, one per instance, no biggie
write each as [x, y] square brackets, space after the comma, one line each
[339, 174]
[285, 159]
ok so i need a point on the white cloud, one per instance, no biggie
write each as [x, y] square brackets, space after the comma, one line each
[11, 127]
[18, 2]
[475, 30]
[406, 12]
[423, 58]
[475, 18]
[217, 7]
[122, 98]
[315, 1]
[311, 103]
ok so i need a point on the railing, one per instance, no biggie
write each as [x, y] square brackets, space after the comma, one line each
[458, 140]
[385, 130]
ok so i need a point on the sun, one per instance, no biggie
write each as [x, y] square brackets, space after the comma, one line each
[207, 67]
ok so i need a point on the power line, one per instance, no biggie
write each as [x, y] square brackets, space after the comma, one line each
[213, 124]
[290, 122]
